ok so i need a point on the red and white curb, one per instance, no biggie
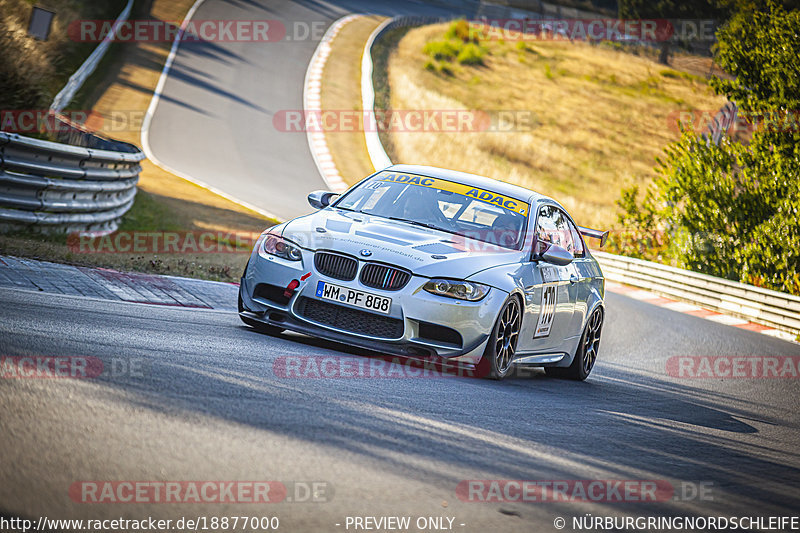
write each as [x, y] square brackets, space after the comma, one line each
[312, 104]
[694, 310]
[112, 285]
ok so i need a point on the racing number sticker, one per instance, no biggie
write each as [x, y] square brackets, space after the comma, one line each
[547, 311]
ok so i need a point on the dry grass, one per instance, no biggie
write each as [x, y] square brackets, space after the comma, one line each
[33, 71]
[164, 202]
[600, 116]
[342, 91]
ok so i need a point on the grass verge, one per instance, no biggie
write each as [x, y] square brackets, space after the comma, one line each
[588, 119]
[119, 93]
[381, 51]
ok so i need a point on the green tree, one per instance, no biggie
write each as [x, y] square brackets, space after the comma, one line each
[731, 209]
[761, 47]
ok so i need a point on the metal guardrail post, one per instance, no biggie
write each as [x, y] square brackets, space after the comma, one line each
[76, 81]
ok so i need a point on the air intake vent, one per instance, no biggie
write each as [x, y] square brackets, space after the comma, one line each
[384, 277]
[439, 333]
[336, 266]
[348, 319]
[272, 293]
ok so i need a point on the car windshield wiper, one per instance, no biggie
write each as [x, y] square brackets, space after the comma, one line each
[418, 223]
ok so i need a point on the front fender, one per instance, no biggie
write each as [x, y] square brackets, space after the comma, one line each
[506, 277]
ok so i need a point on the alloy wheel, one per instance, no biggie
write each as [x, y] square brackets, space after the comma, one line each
[506, 336]
[591, 341]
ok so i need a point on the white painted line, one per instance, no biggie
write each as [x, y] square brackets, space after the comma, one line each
[641, 295]
[148, 118]
[375, 149]
[783, 335]
[681, 307]
[727, 320]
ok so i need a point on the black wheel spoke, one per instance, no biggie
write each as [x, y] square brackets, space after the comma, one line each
[506, 336]
[592, 340]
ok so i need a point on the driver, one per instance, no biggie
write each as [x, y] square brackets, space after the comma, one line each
[506, 230]
[421, 205]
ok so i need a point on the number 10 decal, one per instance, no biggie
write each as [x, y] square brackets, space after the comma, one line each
[547, 311]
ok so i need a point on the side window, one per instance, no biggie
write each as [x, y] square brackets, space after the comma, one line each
[553, 227]
[545, 227]
[578, 240]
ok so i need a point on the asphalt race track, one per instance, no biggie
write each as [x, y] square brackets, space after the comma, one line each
[205, 401]
[214, 120]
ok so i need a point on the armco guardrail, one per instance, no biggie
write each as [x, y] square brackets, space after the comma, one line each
[764, 306]
[83, 186]
[76, 81]
[377, 153]
[723, 120]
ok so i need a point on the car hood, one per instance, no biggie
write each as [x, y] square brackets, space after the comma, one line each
[423, 251]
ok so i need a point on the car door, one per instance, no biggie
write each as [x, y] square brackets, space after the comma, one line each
[550, 291]
[581, 276]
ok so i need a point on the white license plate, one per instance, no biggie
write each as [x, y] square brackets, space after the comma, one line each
[345, 295]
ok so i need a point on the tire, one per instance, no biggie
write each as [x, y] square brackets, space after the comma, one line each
[255, 324]
[502, 345]
[586, 354]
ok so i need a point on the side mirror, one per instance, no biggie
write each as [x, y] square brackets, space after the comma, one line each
[320, 199]
[556, 255]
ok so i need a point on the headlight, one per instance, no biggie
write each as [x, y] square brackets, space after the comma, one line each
[461, 290]
[275, 245]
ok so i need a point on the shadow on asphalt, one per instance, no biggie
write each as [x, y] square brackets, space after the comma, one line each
[625, 422]
[628, 424]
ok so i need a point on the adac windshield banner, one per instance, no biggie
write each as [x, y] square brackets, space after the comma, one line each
[512, 204]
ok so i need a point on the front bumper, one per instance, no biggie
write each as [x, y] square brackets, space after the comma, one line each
[413, 311]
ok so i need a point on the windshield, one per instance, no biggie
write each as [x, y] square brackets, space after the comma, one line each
[440, 204]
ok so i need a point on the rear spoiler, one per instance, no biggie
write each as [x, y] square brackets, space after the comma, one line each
[595, 234]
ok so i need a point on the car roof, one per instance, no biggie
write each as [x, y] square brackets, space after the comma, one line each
[474, 180]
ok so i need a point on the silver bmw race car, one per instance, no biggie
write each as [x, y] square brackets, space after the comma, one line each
[430, 263]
